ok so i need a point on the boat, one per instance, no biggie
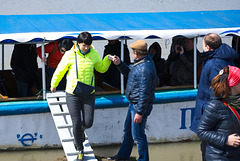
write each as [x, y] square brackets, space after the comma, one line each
[27, 122]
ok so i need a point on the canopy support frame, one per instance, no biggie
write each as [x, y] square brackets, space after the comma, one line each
[195, 63]
[43, 72]
[122, 59]
[2, 56]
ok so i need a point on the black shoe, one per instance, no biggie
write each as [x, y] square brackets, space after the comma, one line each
[116, 158]
[80, 156]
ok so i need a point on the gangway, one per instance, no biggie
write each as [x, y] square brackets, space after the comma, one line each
[63, 123]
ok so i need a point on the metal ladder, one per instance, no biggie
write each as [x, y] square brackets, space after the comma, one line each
[63, 123]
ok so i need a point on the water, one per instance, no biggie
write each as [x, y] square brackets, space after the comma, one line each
[184, 151]
[32, 155]
[188, 151]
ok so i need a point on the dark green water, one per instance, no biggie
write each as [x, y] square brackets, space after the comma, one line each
[188, 151]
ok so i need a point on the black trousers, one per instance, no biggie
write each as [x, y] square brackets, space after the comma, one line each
[82, 114]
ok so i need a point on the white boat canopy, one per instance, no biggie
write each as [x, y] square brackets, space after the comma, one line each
[49, 27]
[164, 25]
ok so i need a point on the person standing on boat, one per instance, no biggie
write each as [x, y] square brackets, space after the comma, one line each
[236, 46]
[155, 52]
[81, 108]
[141, 84]
[112, 76]
[219, 126]
[182, 63]
[55, 50]
[216, 56]
[25, 68]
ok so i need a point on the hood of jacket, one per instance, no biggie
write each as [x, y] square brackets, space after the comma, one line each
[220, 53]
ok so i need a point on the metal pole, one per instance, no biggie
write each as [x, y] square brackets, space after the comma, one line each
[43, 73]
[2, 56]
[195, 63]
[122, 58]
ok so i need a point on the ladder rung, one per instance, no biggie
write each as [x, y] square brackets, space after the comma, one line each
[57, 103]
[88, 152]
[64, 126]
[72, 153]
[68, 139]
[76, 153]
[61, 113]
[58, 94]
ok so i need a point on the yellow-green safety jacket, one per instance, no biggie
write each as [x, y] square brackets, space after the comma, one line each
[86, 64]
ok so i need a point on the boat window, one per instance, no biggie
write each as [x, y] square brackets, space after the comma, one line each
[8, 83]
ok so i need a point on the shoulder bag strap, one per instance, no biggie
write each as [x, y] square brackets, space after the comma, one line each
[54, 50]
[234, 111]
[76, 65]
[77, 68]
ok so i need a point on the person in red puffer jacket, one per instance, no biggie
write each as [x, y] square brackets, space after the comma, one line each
[55, 50]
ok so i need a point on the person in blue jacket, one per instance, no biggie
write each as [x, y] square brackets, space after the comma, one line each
[141, 84]
[216, 56]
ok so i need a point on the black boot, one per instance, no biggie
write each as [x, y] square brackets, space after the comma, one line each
[116, 158]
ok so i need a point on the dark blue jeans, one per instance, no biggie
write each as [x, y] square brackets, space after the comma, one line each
[134, 132]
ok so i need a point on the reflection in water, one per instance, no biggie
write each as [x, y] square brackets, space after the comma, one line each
[188, 151]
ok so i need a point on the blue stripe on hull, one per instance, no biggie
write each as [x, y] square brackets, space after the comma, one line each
[107, 101]
[23, 107]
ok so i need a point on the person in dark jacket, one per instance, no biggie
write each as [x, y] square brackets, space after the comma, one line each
[172, 57]
[141, 84]
[155, 52]
[215, 57]
[25, 68]
[219, 126]
[182, 70]
[112, 76]
[236, 46]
